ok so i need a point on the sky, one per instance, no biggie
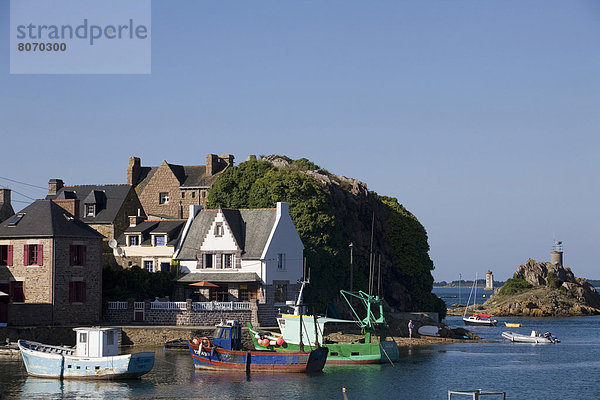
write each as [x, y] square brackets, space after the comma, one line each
[481, 118]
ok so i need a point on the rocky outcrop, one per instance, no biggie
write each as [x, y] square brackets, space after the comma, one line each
[554, 291]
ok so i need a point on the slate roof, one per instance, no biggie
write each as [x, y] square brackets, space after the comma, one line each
[251, 229]
[172, 228]
[219, 277]
[108, 199]
[44, 218]
[6, 211]
[187, 175]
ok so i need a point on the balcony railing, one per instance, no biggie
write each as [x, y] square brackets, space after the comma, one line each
[168, 305]
[117, 305]
[220, 306]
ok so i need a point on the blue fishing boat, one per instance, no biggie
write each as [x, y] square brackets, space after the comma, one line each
[95, 357]
[224, 353]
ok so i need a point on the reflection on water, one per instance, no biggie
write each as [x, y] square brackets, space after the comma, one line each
[77, 389]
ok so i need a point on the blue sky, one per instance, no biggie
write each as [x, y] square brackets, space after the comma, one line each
[480, 117]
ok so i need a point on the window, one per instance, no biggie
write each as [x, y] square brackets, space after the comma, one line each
[159, 240]
[133, 241]
[227, 260]
[148, 265]
[77, 292]
[34, 254]
[163, 198]
[78, 254]
[82, 337]
[90, 210]
[281, 261]
[243, 295]
[17, 291]
[280, 292]
[183, 195]
[15, 220]
[208, 260]
[219, 294]
[219, 229]
[203, 193]
[110, 338]
[6, 255]
[193, 195]
[165, 266]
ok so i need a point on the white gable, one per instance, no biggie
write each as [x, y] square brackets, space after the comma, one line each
[219, 236]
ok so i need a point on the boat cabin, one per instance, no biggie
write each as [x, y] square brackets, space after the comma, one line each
[228, 335]
[97, 342]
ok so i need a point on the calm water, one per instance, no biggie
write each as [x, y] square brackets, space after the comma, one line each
[568, 370]
[456, 296]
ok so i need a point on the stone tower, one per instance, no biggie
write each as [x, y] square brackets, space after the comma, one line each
[489, 280]
[556, 255]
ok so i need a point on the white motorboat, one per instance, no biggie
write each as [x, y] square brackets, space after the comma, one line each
[534, 337]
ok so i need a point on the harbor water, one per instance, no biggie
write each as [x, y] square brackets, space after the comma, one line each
[567, 370]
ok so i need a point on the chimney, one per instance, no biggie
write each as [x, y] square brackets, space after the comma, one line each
[228, 158]
[134, 220]
[133, 170]
[4, 196]
[54, 185]
[212, 164]
[70, 205]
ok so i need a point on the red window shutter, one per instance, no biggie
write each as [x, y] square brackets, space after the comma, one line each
[83, 255]
[9, 257]
[71, 255]
[26, 255]
[82, 297]
[40, 254]
[71, 291]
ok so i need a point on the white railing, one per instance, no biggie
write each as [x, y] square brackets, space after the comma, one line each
[117, 305]
[220, 306]
[168, 305]
[138, 305]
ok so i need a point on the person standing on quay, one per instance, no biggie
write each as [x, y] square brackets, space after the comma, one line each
[410, 328]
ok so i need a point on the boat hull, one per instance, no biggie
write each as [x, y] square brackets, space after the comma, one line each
[479, 322]
[343, 353]
[61, 363]
[519, 338]
[220, 359]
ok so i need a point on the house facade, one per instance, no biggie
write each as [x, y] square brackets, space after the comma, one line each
[105, 208]
[50, 267]
[167, 191]
[148, 244]
[253, 255]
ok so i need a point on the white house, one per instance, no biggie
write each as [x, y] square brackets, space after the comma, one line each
[241, 255]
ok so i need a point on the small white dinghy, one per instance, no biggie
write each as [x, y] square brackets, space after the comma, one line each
[534, 337]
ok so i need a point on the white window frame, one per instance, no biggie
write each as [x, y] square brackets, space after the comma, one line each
[231, 261]
[281, 261]
[212, 264]
[163, 198]
[137, 239]
[90, 210]
[148, 260]
[160, 236]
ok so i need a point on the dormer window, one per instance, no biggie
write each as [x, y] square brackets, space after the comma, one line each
[133, 241]
[15, 220]
[163, 198]
[159, 240]
[90, 210]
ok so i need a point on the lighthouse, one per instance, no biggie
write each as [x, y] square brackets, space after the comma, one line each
[489, 280]
[556, 255]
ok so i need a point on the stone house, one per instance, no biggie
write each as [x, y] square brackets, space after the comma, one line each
[6, 209]
[168, 190]
[242, 255]
[105, 208]
[50, 266]
[148, 244]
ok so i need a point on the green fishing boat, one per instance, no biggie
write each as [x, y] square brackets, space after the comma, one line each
[301, 332]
